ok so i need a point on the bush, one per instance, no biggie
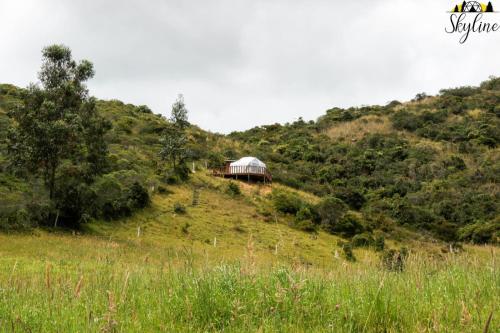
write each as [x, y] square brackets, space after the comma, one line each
[305, 225]
[379, 243]
[233, 189]
[144, 109]
[330, 210]
[347, 226]
[348, 253]
[364, 239]
[163, 190]
[16, 220]
[287, 202]
[138, 196]
[304, 214]
[215, 160]
[352, 197]
[179, 208]
[481, 232]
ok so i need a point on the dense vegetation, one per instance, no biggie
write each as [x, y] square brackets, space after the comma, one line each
[430, 165]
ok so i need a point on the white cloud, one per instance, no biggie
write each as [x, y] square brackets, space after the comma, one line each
[246, 63]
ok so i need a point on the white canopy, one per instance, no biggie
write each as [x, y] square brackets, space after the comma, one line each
[247, 165]
[248, 161]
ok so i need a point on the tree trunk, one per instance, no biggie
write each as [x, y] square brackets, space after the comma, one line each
[52, 182]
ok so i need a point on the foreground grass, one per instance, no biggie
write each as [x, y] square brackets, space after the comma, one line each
[54, 283]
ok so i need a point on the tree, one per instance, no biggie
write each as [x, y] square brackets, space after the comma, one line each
[174, 140]
[57, 122]
[173, 144]
[179, 115]
[456, 9]
[489, 7]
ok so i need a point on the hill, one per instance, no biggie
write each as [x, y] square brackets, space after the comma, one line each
[348, 238]
[429, 166]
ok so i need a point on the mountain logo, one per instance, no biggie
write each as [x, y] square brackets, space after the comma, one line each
[473, 7]
[469, 17]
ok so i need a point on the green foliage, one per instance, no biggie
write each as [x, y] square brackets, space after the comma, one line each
[286, 202]
[362, 240]
[348, 252]
[57, 125]
[179, 208]
[347, 226]
[379, 243]
[233, 189]
[481, 232]
[179, 115]
[432, 294]
[138, 196]
[330, 211]
[144, 109]
[173, 143]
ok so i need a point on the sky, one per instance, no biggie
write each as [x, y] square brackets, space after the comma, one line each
[241, 64]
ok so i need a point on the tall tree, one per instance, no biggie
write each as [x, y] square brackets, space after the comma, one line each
[173, 146]
[57, 122]
[174, 139]
[179, 115]
[489, 7]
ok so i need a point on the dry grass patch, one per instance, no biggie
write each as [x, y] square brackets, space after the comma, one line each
[355, 130]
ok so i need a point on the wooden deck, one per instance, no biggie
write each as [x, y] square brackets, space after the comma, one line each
[244, 173]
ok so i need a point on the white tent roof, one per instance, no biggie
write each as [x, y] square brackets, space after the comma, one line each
[248, 161]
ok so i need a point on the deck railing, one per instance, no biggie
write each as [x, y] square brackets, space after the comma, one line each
[243, 171]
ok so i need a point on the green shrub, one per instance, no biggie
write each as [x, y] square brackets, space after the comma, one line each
[304, 214]
[287, 202]
[143, 109]
[215, 160]
[363, 239]
[138, 196]
[233, 189]
[163, 190]
[379, 243]
[305, 225]
[330, 210]
[179, 208]
[352, 197]
[347, 226]
[348, 252]
[481, 232]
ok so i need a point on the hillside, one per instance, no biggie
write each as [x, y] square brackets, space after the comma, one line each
[348, 238]
[429, 166]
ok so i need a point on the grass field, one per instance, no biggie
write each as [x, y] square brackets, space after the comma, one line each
[64, 283]
[223, 266]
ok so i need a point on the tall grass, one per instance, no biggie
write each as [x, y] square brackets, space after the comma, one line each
[453, 293]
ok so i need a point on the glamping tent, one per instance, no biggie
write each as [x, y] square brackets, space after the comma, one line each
[247, 167]
[247, 164]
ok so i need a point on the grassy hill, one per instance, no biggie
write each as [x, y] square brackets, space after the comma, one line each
[400, 166]
[263, 260]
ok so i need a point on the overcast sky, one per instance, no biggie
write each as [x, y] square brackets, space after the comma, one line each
[245, 63]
